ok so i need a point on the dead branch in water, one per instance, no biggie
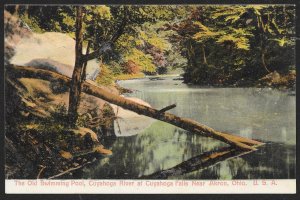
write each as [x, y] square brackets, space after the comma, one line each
[184, 123]
[167, 108]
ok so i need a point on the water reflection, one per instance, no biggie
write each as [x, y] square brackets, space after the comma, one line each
[263, 114]
[269, 163]
[163, 146]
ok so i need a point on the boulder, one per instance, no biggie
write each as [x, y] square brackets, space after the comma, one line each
[129, 123]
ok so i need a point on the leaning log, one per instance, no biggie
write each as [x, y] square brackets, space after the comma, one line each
[190, 125]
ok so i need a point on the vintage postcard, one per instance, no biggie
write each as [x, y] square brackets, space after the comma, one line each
[171, 99]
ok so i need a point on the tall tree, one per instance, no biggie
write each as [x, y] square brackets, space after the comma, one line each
[101, 47]
[78, 75]
[75, 88]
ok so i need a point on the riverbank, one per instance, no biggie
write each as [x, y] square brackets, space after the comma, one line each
[39, 143]
[38, 121]
[129, 76]
[286, 81]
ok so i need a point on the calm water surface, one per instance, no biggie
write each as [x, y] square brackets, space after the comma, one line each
[263, 114]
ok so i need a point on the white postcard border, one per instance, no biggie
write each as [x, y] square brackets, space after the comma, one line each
[108, 186]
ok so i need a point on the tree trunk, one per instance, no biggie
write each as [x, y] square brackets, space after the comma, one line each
[191, 54]
[184, 123]
[263, 61]
[75, 87]
[263, 51]
[83, 75]
[262, 29]
[204, 55]
[16, 12]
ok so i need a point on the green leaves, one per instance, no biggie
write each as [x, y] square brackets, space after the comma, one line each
[240, 42]
[229, 14]
[103, 12]
[148, 33]
[205, 39]
[205, 32]
[145, 61]
[238, 36]
[222, 43]
[284, 41]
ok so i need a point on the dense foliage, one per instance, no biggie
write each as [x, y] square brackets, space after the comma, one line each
[219, 45]
[236, 44]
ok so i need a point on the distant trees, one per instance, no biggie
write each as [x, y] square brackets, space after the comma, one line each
[225, 44]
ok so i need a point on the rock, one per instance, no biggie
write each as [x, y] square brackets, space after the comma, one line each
[83, 131]
[49, 50]
[75, 164]
[108, 118]
[32, 126]
[102, 151]
[24, 114]
[129, 123]
[77, 149]
[52, 51]
[13, 33]
[65, 154]
[274, 79]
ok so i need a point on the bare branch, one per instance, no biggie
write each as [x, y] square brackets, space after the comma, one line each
[105, 47]
[83, 73]
[167, 108]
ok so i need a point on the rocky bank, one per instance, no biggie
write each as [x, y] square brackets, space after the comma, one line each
[38, 140]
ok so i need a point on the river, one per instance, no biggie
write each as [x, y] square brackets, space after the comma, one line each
[268, 115]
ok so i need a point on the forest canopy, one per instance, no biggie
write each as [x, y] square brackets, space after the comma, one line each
[213, 44]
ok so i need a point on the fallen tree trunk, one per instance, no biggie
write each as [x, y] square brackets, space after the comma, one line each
[184, 123]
